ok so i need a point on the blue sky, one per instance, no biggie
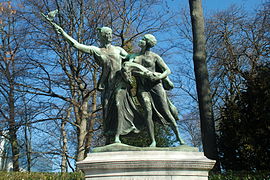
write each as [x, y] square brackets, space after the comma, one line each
[210, 5]
[213, 5]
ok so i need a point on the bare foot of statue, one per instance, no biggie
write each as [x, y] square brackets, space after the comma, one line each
[117, 139]
[154, 144]
[182, 142]
[136, 131]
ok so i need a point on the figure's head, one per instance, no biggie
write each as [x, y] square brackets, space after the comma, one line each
[105, 35]
[148, 40]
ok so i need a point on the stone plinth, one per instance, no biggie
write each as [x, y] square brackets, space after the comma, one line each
[146, 164]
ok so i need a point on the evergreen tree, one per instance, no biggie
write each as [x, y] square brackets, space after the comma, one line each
[244, 128]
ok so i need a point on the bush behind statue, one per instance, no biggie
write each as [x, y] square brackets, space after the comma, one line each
[240, 175]
[40, 176]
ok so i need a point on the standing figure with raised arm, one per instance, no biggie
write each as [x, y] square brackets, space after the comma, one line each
[152, 77]
[116, 102]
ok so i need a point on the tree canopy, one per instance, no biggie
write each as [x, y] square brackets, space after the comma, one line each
[244, 127]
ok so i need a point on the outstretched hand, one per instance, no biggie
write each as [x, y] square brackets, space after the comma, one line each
[155, 76]
[50, 18]
[57, 28]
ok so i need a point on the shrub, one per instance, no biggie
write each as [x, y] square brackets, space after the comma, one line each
[240, 175]
[40, 176]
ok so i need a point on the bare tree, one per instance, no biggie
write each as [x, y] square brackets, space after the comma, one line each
[236, 43]
[191, 125]
[12, 70]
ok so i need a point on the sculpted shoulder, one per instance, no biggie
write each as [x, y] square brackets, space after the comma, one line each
[118, 47]
[123, 53]
[154, 55]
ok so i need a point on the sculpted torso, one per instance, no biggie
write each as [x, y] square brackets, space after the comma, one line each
[148, 61]
[112, 55]
[110, 59]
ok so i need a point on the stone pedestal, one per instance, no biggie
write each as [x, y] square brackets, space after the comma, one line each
[146, 164]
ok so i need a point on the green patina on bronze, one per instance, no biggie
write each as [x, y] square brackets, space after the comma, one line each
[133, 87]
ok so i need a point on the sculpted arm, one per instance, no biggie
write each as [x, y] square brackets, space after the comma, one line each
[74, 43]
[165, 69]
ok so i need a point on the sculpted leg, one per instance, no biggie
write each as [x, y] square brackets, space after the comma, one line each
[146, 102]
[168, 110]
[151, 129]
[119, 96]
[176, 131]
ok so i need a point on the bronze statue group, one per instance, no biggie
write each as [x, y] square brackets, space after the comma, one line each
[121, 115]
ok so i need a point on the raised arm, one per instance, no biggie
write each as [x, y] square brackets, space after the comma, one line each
[84, 48]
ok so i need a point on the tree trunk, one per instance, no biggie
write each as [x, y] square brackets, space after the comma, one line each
[13, 129]
[92, 118]
[202, 82]
[82, 131]
[64, 141]
[27, 135]
[15, 149]
[27, 148]
[81, 139]
[64, 147]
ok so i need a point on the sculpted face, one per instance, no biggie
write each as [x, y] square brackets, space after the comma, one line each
[142, 43]
[148, 40]
[105, 35]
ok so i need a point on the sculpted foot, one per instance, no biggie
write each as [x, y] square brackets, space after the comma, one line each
[154, 144]
[117, 139]
[136, 131]
[182, 142]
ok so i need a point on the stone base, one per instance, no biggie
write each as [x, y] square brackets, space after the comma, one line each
[146, 165]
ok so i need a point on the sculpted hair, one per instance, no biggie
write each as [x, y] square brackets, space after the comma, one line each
[150, 39]
[100, 30]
